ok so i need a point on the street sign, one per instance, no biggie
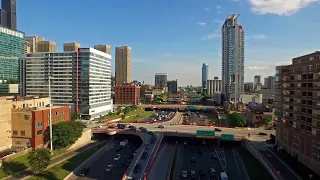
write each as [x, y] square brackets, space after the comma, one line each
[227, 136]
[202, 133]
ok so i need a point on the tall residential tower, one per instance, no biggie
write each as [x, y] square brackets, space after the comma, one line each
[123, 64]
[232, 58]
[205, 75]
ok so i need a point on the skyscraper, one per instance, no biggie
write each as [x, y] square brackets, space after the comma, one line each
[103, 47]
[232, 58]
[257, 79]
[123, 64]
[205, 75]
[160, 80]
[73, 46]
[33, 40]
[8, 14]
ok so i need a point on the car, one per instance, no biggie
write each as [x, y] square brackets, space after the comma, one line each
[185, 143]
[262, 134]
[161, 126]
[109, 168]
[212, 172]
[137, 168]
[134, 154]
[184, 174]
[118, 149]
[193, 174]
[202, 173]
[143, 130]
[112, 147]
[120, 165]
[217, 129]
[193, 159]
[84, 171]
[213, 155]
[144, 155]
[118, 156]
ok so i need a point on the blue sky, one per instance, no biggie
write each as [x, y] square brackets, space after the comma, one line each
[177, 36]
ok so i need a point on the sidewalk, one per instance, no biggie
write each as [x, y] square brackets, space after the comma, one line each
[56, 160]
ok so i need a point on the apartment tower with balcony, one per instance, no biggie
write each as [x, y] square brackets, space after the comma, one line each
[298, 109]
[232, 58]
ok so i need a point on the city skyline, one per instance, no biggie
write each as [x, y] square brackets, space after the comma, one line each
[158, 49]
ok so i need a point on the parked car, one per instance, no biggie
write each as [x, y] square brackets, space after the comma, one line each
[262, 134]
[217, 129]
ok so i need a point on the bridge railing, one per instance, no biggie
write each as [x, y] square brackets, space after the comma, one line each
[153, 155]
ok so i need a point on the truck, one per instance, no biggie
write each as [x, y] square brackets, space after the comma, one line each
[124, 142]
[223, 176]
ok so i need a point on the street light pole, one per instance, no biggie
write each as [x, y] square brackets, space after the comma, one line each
[50, 116]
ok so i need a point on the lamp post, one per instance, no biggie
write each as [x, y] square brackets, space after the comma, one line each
[50, 116]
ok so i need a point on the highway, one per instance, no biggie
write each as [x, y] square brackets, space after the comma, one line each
[174, 106]
[143, 162]
[163, 160]
[98, 166]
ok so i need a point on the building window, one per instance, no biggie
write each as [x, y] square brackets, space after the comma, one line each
[23, 133]
[62, 112]
[42, 103]
[62, 118]
[39, 132]
[14, 132]
[39, 124]
[57, 113]
[26, 117]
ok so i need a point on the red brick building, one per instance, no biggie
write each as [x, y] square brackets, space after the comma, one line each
[29, 124]
[127, 93]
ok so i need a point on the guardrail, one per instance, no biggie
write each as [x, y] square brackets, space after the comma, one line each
[153, 155]
[140, 150]
[256, 152]
[171, 161]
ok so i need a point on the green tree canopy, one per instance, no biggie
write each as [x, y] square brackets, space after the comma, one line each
[267, 121]
[39, 159]
[237, 119]
[64, 133]
[123, 116]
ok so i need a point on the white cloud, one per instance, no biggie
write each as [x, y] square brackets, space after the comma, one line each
[207, 9]
[211, 36]
[218, 7]
[218, 21]
[259, 36]
[167, 54]
[202, 23]
[280, 7]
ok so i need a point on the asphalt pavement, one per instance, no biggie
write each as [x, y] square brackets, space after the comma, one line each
[159, 168]
[203, 161]
[143, 162]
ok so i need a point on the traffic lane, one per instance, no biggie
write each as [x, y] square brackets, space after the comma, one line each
[240, 164]
[179, 162]
[144, 162]
[286, 174]
[212, 162]
[231, 166]
[98, 168]
[163, 159]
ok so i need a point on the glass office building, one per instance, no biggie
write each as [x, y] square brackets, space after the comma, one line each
[11, 49]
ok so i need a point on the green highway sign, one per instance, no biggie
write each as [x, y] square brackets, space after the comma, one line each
[205, 133]
[227, 136]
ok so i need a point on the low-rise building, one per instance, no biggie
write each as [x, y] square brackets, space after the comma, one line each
[247, 98]
[5, 123]
[9, 89]
[127, 93]
[29, 124]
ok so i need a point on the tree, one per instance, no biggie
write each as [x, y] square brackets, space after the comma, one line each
[39, 159]
[75, 116]
[237, 119]
[267, 121]
[126, 110]
[123, 116]
[64, 133]
[143, 100]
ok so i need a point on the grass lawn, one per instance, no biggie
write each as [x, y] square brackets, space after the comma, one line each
[142, 115]
[254, 168]
[21, 163]
[60, 171]
[115, 116]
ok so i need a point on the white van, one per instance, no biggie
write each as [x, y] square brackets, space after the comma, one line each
[223, 176]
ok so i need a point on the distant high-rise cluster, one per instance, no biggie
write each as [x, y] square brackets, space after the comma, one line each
[8, 14]
[232, 58]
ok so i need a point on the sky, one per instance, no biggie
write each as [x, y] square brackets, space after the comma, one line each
[177, 36]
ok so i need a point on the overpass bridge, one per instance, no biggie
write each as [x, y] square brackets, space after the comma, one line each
[181, 106]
